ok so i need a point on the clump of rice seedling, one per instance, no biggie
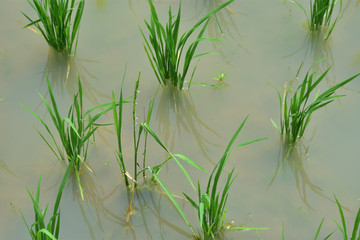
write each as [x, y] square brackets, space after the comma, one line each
[211, 206]
[165, 49]
[320, 15]
[293, 158]
[55, 22]
[74, 130]
[39, 230]
[295, 109]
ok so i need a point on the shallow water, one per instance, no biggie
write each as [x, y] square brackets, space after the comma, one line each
[264, 43]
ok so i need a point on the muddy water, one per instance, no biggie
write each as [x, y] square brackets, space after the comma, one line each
[264, 43]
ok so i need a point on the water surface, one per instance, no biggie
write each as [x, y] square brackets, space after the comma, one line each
[264, 43]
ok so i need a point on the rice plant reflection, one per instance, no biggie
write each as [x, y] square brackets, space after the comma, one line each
[94, 204]
[315, 48]
[294, 157]
[150, 212]
[154, 197]
[4, 167]
[64, 71]
[222, 25]
[176, 113]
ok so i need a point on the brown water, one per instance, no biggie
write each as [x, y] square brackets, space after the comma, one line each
[264, 42]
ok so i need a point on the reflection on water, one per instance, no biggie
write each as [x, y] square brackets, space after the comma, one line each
[177, 113]
[155, 198]
[149, 202]
[346, 7]
[104, 206]
[315, 48]
[93, 207]
[320, 54]
[64, 71]
[222, 25]
[6, 169]
[294, 157]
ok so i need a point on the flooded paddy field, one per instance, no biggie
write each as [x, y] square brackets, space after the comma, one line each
[264, 44]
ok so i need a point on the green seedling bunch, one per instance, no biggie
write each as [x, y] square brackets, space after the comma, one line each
[211, 206]
[74, 130]
[39, 230]
[296, 109]
[58, 22]
[319, 17]
[165, 46]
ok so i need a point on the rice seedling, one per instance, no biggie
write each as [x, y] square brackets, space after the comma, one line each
[295, 109]
[39, 230]
[319, 17]
[165, 50]
[211, 205]
[55, 22]
[137, 133]
[74, 130]
[136, 138]
[356, 229]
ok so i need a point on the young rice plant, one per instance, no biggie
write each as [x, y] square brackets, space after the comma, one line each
[74, 130]
[295, 108]
[39, 230]
[320, 15]
[165, 46]
[211, 206]
[136, 139]
[143, 128]
[55, 22]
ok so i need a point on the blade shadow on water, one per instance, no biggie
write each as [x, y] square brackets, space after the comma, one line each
[147, 206]
[293, 158]
[93, 208]
[64, 71]
[4, 167]
[315, 48]
[152, 199]
[177, 113]
[223, 25]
